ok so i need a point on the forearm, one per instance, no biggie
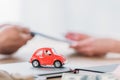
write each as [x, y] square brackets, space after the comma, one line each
[2, 44]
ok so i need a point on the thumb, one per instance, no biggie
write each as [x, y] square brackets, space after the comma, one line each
[75, 44]
[26, 37]
[82, 43]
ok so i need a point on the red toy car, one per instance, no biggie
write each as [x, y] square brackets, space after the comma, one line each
[47, 56]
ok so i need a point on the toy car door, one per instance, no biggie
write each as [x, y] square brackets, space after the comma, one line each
[39, 55]
[48, 57]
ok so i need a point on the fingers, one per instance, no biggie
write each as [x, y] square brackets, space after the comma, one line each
[72, 36]
[25, 37]
[83, 43]
[76, 36]
[84, 47]
[21, 34]
[87, 47]
[24, 30]
[25, 33]
[16, 28]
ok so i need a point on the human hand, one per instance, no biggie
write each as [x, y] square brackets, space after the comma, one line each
[89, 46]
[12, 38]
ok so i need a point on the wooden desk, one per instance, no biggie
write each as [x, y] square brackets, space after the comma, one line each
[25, 53]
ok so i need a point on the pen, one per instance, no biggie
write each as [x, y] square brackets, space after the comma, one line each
[78, 69]
[50, 37]
[59, 74]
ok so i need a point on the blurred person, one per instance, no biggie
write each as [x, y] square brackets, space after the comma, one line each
[91, 46]
[12, 37]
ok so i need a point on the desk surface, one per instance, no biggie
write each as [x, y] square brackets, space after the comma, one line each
[25, 53]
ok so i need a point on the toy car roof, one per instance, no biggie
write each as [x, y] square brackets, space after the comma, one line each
[45, 48]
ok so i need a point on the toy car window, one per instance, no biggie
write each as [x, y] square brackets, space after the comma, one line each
[53, 50]
[47, 52]
[39, 53]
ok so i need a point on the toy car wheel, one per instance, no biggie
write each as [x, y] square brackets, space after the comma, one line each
[35, 63]
[57, 64]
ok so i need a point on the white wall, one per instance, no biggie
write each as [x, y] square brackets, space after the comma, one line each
[101, 17]
[43, 15]
[10, 11]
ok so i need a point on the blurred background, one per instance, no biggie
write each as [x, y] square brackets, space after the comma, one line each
[99, 18]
